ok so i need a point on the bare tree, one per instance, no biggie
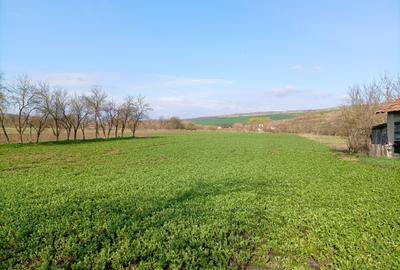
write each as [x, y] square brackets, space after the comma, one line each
[117, 121]
[3, 107]
[78, 114]
[110, 116]
[103, 122]
[84, 124]
[22, 95]
[387, 86]
[40, 113]
[96, 102]
[125, 111]
[38, 123]
[397, 87]
[358, 115]
[54, 103]
[390, 86]
[67, 118]
[140, 111]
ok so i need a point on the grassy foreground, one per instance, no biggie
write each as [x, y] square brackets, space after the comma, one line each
[197, 200]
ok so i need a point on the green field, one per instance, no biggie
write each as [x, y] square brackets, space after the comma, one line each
[219, 121]
[197, 201]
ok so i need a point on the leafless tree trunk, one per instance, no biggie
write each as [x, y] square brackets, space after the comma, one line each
[125, 113]
[79, 113]
[124, 123]
[3, 107]
[96, 101]
[67, 123]
[2, 123]
[110, 116]
[30, 132]
[83, 125]
[103, 128]
[116, 126]
[66, 119]
[39, 125]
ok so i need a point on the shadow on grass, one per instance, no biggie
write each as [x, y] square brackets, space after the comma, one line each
[148, 219]
[340, 150]
[87, 141]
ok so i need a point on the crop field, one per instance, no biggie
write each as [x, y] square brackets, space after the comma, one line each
[219, 121]
[198, 200]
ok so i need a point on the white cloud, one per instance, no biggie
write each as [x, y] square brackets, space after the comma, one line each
[297, 67]
[70, 80]
[192, 106]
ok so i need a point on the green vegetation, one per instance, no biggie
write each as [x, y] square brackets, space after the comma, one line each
[197, 200]
[259, 120]
[220, 121]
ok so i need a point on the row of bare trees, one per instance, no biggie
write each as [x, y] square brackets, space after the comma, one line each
[358, 113]
[26, 105]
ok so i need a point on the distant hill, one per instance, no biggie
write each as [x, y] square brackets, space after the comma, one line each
[244, 117]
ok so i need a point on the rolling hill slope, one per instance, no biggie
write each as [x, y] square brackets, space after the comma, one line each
[229, 120]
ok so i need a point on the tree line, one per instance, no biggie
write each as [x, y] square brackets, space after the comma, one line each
[26, 105]
[358, 114]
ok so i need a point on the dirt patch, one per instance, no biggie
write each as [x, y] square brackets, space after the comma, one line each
[255, 268]
[313, 264]
[272, 261]
[17, 168]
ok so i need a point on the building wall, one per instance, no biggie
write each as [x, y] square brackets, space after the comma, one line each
[387, 150]
[391, 119]
[379, 150]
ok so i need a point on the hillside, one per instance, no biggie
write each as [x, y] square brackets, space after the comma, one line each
[244, 117]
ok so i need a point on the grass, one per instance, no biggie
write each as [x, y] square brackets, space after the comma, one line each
[197, 200]
[219, 121]
[335, 142]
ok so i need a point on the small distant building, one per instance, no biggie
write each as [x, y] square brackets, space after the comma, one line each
[385, 138]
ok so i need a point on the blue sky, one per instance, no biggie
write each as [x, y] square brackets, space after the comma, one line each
[196, 58]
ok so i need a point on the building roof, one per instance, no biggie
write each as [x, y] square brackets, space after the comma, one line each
[393, 106]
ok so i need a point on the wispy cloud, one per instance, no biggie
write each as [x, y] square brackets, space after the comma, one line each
[316, 68]
[297, 67]
[286, 91]
[170, 99]
[175, 81]
[194, 106]
[306, 69]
